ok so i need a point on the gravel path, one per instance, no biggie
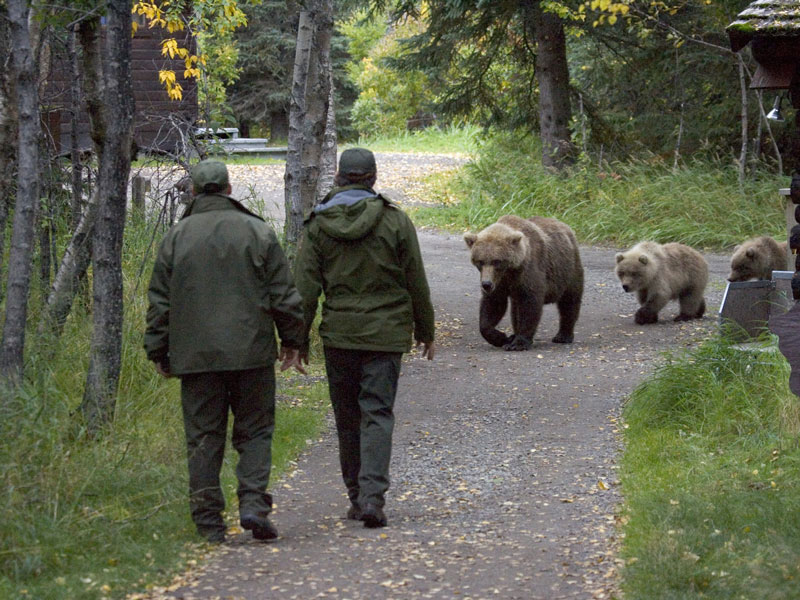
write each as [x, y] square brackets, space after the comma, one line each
[504, 475]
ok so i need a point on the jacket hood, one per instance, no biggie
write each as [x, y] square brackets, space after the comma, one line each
[349, 213]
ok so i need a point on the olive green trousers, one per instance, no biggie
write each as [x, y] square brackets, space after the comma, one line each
[207, 398]
[363, 386]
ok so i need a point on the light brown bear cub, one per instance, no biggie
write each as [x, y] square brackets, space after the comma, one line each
[757, 258]
[660, 273]
[533, 262]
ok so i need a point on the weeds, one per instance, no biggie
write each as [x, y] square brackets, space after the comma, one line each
[700, 204]
[711, 475]
[98, 518]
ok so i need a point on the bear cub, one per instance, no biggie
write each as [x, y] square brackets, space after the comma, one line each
[660, 273]
[757, 258]
[532, 262]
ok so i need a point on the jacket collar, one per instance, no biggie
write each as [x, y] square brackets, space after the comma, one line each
[208, 202]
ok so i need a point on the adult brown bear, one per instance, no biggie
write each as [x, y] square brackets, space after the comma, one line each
[533, 262]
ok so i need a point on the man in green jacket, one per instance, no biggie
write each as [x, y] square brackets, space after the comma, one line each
[220, 287]
[361, 252]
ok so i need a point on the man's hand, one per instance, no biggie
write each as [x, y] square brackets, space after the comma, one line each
[290, 357]
[162, 369]
[428, 349]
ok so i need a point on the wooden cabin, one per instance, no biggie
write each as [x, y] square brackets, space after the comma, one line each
[160, 124]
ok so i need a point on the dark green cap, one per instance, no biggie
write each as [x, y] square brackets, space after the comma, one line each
[209, 176]
[357, 161]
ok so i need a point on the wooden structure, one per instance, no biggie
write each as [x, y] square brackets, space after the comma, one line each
[160, 124]
[772, 28]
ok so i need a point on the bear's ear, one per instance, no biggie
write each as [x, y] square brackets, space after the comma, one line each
[516, 237]
[470, 238]
[750, 253]
[619, 257]
[643, 259]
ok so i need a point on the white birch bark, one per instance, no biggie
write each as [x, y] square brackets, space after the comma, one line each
[310, 119]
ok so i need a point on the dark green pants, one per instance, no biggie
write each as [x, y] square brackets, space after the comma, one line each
[363, 385]
[206, 399]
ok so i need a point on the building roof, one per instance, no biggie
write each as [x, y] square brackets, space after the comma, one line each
[765, 19]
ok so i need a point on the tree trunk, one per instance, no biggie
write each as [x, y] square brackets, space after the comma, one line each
[308, 117]
[743, 120]
[8, 132]
[552, 74]
[22, 237]
[99, 399]
[327, 166]
[75, 106]
[77, 256]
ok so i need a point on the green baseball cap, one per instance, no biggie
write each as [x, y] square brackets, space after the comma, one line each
[208, 172]
[357, 161]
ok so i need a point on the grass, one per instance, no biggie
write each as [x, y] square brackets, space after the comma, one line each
[101, 518]
[700, 203]
[711, 478]
[449, 140]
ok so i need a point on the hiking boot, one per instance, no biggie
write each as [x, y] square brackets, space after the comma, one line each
[373, 516]
[260, 526]
[354, 513]
[214, 536]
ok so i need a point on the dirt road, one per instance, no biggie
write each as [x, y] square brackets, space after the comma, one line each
[504, 475]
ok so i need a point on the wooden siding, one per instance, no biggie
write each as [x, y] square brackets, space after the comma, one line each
[156, 115]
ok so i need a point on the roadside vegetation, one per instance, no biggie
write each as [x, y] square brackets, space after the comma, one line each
[710, 476]
[101, 517]
[699, 203]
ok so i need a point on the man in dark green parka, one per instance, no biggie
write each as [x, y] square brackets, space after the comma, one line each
[220, 286]
[361, 252]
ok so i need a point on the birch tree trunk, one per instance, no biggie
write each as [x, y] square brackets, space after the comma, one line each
[99, 399]
[77, 256]
[552, 74]
[743, 119]
[22, 237]
[309, 120]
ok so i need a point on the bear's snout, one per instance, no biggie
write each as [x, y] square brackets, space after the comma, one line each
[487, 286]
[626, 287]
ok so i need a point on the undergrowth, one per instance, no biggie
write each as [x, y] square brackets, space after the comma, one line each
[101, 517]
[711, 478]
[700, 203]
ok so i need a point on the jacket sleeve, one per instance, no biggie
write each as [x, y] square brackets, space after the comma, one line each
[156, 336]
[285, 303]
[309, 281]
[417, 283]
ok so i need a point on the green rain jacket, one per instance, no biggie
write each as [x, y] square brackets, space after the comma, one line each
[220, 285]
[361, 252]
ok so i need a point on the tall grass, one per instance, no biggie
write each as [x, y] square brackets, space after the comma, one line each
[97, 518]
[449, 140]
[711, 478]
[700, 203]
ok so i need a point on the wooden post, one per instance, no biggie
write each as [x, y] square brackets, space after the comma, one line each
[139, 187]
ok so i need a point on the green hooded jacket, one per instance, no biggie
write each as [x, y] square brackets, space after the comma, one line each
[361, 252]
[220, 285]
